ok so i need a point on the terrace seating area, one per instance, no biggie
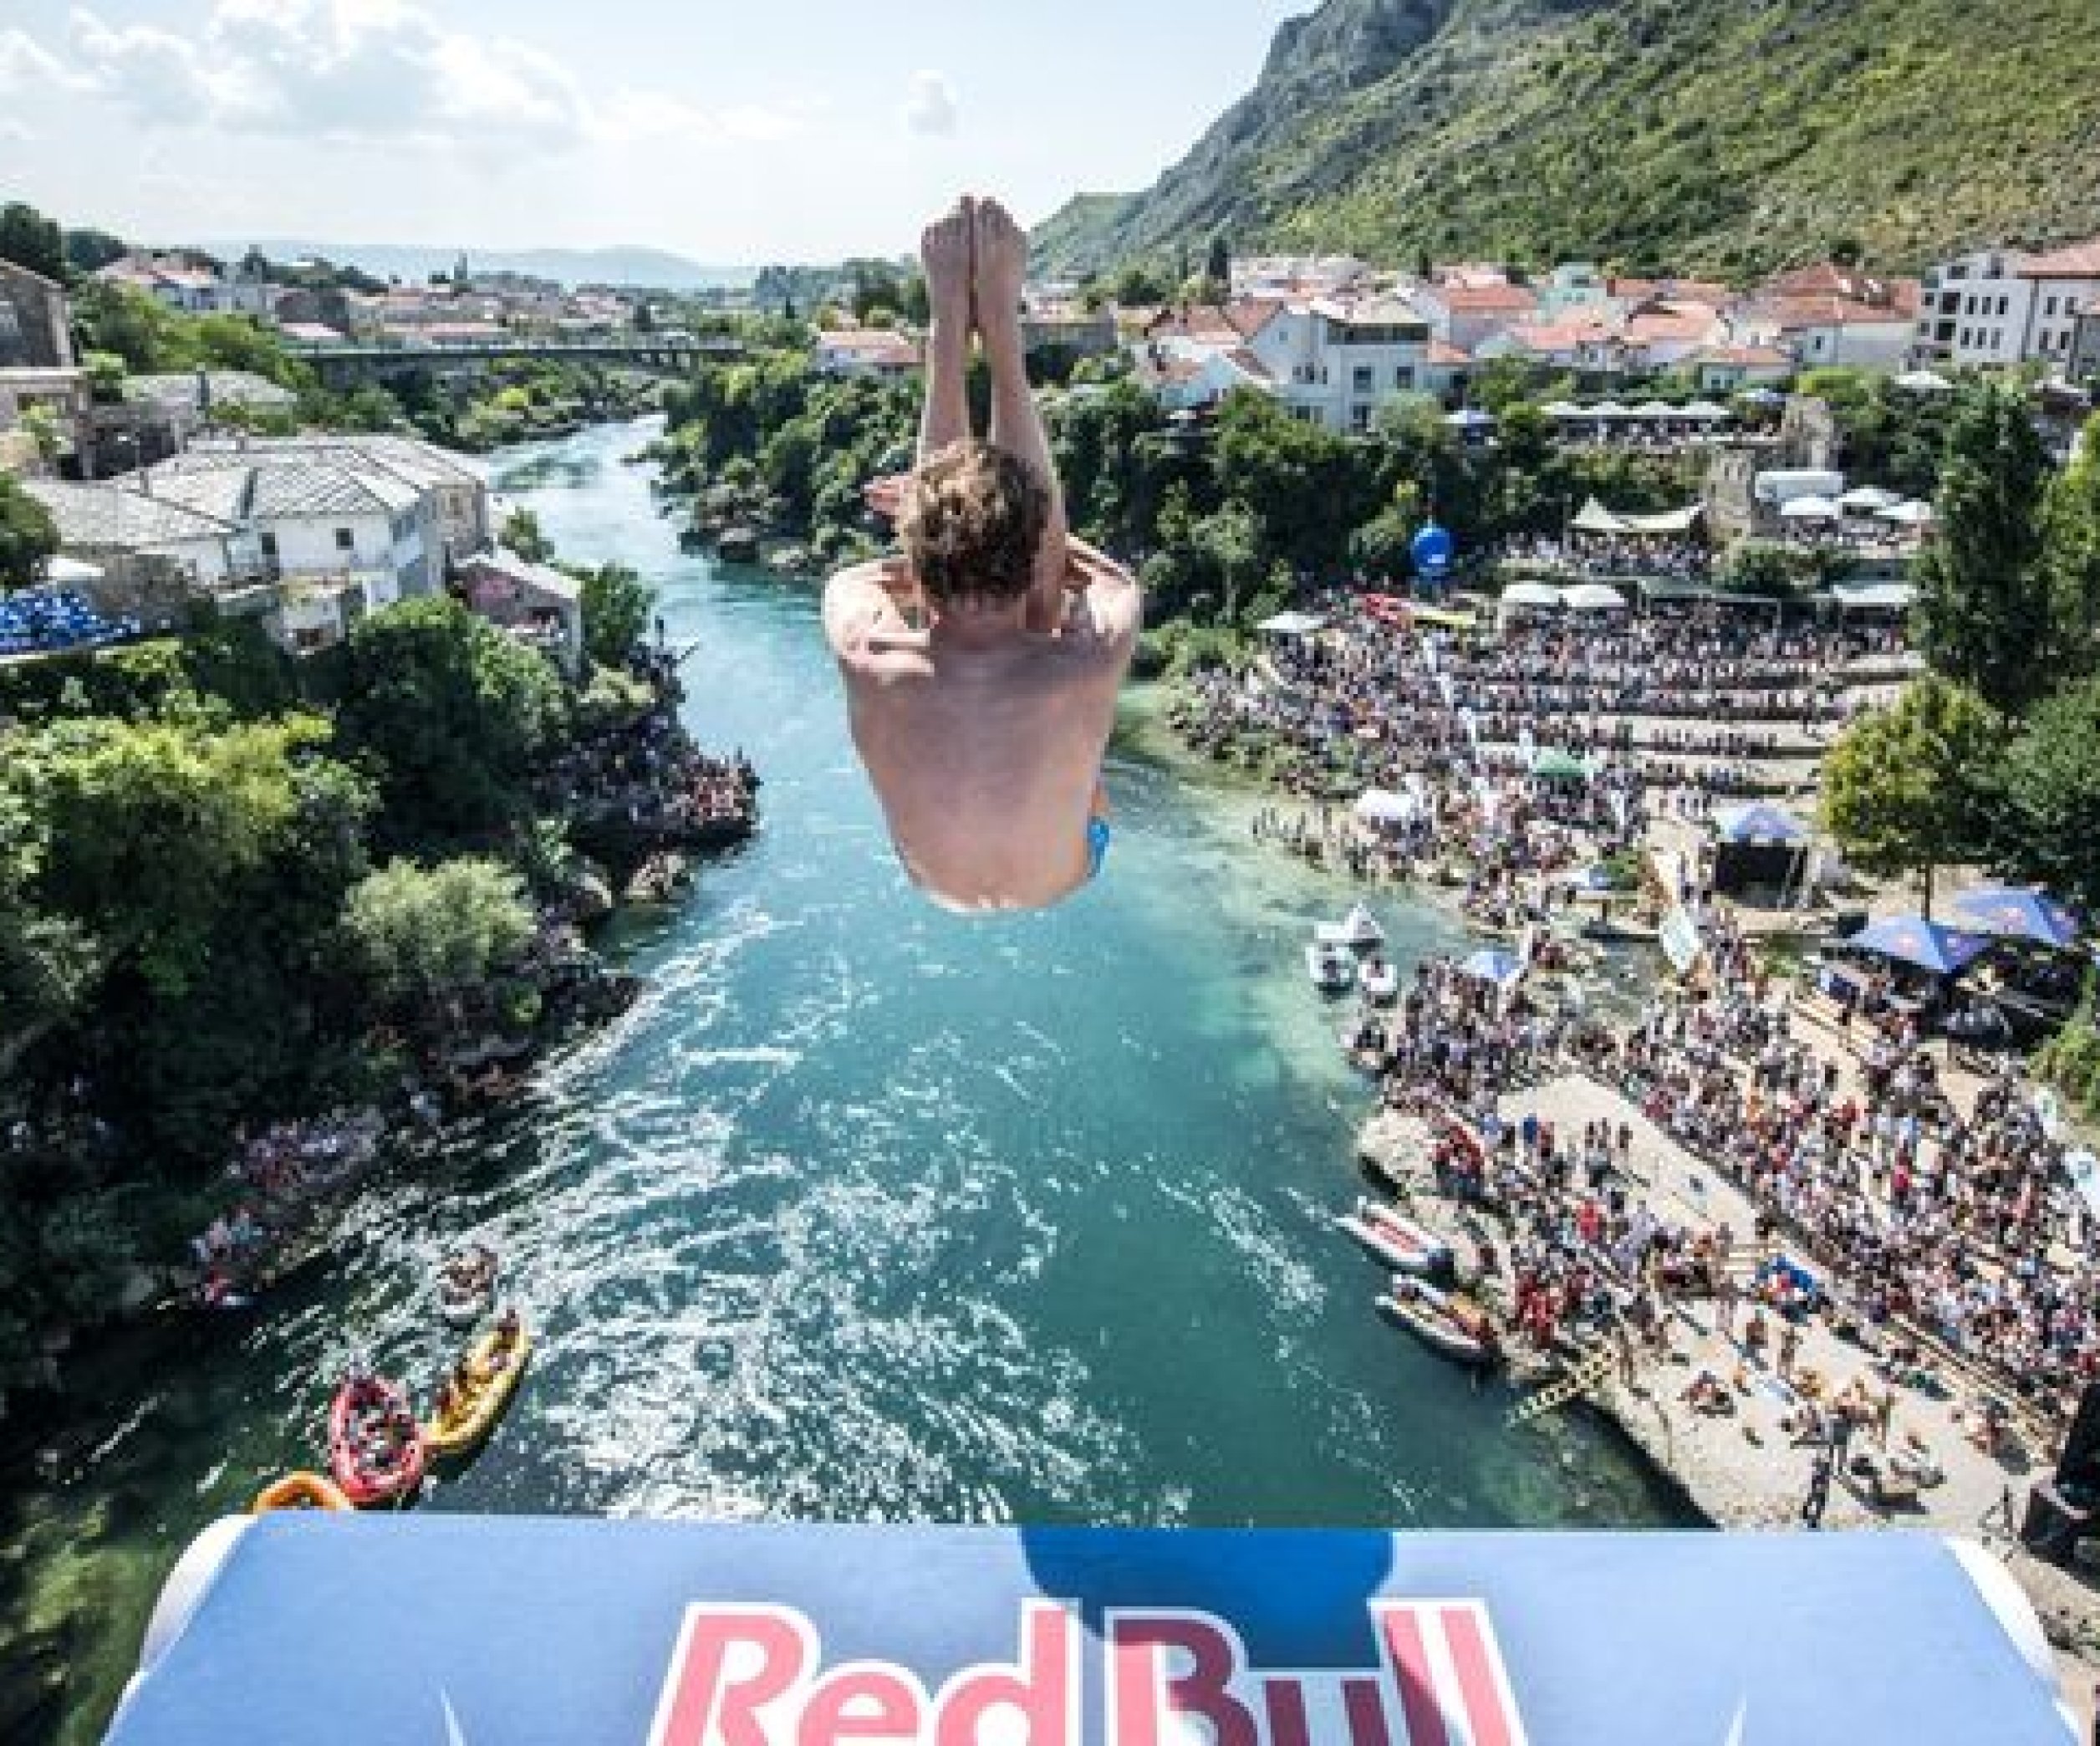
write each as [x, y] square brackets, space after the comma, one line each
[52, 620]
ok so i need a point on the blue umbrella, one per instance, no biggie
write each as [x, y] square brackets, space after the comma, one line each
[1763, 824]
[1490, 965]
[1913, 940]
[2018, 913]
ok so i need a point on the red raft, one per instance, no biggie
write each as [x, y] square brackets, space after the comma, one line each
[375, 1446]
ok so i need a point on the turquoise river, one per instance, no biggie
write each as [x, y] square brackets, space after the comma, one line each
[863, 1212]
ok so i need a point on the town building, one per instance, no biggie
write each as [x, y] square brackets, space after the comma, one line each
[1465, 314]
[1286, 276]
[388, 516]
[155, 554]
[46, 410]
[865, 352]
[1575, 287]
[2066, 285]
[1974, 311]
[193, 400]
[540, 605]
[2083, 364]
[1729, 369]
[1333, 361]
[1058, 324]
[1830, 316]
[34, 331]
[172, 281]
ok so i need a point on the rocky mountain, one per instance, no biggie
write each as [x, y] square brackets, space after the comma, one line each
[1718, 136]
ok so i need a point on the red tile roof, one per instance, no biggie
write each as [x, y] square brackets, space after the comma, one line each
[1486, 300]
[2081, 260]
[1248, 315]
[1442, 352]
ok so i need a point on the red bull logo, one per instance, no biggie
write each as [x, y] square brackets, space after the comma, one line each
[754, 1676]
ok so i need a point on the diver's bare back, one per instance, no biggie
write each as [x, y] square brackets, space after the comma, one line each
[986, 757]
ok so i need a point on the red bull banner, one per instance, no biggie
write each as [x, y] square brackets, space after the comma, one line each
[520, 1632]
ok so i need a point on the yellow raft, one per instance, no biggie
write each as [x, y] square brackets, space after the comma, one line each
[299, 1491]
[493, 1369]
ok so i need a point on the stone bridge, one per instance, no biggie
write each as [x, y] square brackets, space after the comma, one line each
[339, 362]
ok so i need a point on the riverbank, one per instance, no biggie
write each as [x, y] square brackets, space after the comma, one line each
[1733, 1393]
[1744, 1457]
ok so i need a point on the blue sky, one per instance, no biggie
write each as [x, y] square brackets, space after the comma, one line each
[769, 130]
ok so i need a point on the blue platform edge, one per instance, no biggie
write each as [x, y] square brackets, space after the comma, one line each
[525, 1631]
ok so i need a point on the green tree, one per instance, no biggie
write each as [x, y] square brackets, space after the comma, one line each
[29, 239]
[1906, 789]
[422, 936]
[149, 827]
[88, 250]
[27, 535]
[521, 532]
[451, 715]
[617, 604]
[2049, 828]
[1986, 615]
[2070, 525]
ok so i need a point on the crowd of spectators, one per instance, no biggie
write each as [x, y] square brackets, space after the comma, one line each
[1601, 557]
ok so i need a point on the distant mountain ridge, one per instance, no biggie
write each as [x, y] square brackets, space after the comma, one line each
[621, 265]
[1726, 136]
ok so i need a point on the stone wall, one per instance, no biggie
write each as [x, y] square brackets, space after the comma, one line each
[34, 331]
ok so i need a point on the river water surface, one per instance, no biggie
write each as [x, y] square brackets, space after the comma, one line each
[863, 1212]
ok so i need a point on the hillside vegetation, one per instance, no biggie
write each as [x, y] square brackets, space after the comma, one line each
[1727, 137]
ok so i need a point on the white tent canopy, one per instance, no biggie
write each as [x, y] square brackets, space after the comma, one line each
[1593, 597]
[1911, 513]
[1595, 518]
[1782, 485]
[1879, 596]
[1382, 806]
[1608, 409]
[1531, 593]
[1810, 509]
[1704, 410]
[1657, 409]
[1868, 498]
[65, 569]
[1923, 382]
[1292, 623]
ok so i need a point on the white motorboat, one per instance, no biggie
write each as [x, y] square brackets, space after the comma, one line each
[1359, 928]
[1433, 1319]
[1333, 968]
[1399, 1245]
[1379, 978]
[1411, 1235]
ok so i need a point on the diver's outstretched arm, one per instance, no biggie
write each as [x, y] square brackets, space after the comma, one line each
[1016, 424]
[946, 251]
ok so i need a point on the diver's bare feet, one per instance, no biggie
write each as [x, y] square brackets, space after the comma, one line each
[946, 250]
[1001, 267]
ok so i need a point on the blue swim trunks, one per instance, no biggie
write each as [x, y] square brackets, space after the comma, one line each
[1097, 845]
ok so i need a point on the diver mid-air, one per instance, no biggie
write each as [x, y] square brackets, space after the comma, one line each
[981, 666]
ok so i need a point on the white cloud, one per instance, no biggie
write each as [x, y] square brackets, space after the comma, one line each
[26, 64]
[15, 133]
[930, 105]
[362, 71]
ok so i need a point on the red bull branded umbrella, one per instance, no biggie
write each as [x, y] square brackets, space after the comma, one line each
[459, 1631]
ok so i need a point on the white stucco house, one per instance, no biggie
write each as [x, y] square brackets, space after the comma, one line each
[2066, 285]
[1974, 310]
